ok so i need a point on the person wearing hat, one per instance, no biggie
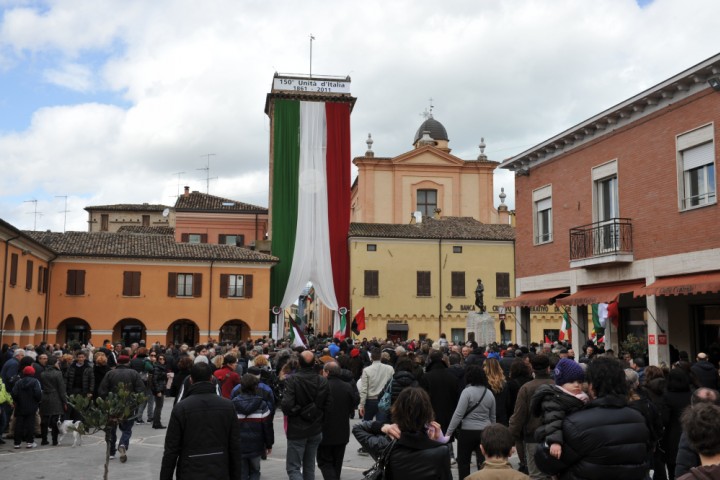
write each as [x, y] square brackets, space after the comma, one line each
[523, 422]
[26, 394]
[554, 402]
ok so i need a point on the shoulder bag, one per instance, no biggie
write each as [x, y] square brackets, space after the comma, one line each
[377, 471]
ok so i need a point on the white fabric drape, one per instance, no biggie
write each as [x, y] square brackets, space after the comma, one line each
[311, 258]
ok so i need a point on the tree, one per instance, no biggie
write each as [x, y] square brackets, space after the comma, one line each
[106, 414]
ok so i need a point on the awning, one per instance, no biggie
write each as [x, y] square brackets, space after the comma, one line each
[684, 284]
[536, 298]
[397, 327]
[603, 294]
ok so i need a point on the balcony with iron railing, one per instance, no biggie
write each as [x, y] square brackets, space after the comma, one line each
[601, 243]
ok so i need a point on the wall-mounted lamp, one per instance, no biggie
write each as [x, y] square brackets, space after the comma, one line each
[714, 82]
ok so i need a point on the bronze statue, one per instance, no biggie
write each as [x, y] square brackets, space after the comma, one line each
[479, 296]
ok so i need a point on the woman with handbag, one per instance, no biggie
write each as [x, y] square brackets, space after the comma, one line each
[474, 412]
[413, 447]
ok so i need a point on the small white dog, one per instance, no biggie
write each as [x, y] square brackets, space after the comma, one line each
[74, 427]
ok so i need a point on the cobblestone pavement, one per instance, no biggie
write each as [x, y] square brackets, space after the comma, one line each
[144, 455]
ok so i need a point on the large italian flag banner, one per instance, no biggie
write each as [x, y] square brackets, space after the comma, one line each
[311, 202]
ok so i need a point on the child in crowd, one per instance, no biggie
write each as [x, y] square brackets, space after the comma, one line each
[497, 444]
[555, 402]
[256, 428]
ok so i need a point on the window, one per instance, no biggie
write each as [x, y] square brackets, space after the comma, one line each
[371, 247]
[184, 284]
[104, 222]
[13, 268]
[193, 237]
[29, 275]
[371, 283]
[696, 168]
[423, 284]
[457, 249]
[237, 240]
[457, 284]
[236, 286]
[606, 207]
[131, 284]
[146, 220]
[502, 285]
[42, 279]
[427, 202]
[75, 282]
[542, 218]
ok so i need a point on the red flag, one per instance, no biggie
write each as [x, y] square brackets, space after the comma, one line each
[360, 319]
[547, 339]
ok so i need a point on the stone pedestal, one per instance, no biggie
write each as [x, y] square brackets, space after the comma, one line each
[483, 326]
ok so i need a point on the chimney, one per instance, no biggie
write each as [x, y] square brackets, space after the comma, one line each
[437, 214]
[187, 191]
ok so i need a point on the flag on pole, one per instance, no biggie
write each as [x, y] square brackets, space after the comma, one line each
[547, 339]
[311, 294]
[359, 321]
[598, 324]
[565, 327]
[296, 336]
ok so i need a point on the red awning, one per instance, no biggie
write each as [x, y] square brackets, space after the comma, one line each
[536, 298]
[602, 294]
[684, 284]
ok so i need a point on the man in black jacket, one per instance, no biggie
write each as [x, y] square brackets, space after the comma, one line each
[336, 425]
[123, 374]
[305, 400]
[203, 436]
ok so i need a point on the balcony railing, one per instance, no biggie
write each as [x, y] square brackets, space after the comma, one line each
[611, 238]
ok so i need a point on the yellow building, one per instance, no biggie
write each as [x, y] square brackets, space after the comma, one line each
[418, 280]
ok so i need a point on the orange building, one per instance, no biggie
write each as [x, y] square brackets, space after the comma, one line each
[113, 218]
[127, 286]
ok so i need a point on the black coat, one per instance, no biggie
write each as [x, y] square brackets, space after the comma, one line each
[301, 389]
[336, 424]
[203, 437]
[674, 404]
[706, 374]
[88, 379]
[553, 405]
[122, 374]
[27, 394]
[414, 456]
[605, 440]
[442, 386]
[54, 396]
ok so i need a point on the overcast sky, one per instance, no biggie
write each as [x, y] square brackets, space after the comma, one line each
[104, 102]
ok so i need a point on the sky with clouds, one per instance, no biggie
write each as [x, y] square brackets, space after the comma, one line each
[105, 101]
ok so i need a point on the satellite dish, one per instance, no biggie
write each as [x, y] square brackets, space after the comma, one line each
[166, 212]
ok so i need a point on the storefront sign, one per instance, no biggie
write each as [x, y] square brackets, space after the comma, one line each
[651, 339]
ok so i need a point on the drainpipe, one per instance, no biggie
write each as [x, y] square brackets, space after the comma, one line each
[210, 296]
[2, 305]
[47, 298]
[256, 230]
[440, 287]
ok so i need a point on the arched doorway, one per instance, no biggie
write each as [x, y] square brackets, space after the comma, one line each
[129, 331]
[26, 334]
[38, 331]
[234, 331]
[73, 330]
[8, 330]
[183, 331]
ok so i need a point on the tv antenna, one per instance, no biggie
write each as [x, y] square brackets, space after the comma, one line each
[207, 172]
[179, 174]
[34, 212]
[64, 210]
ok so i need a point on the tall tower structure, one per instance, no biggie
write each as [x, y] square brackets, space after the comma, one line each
[310, 188]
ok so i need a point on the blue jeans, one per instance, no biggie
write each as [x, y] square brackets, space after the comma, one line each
[250, 468]
[126, 429]
[301, 455]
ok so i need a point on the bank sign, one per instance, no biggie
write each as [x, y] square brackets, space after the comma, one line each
[310, 85]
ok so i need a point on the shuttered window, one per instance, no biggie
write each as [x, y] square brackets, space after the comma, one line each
[457, 284]
[29, 275]
[502, 284]
[184, 284]
[236, 286]
[423, 284]
[75, 282]
[131, 284]
[13, 269]
[371, 283]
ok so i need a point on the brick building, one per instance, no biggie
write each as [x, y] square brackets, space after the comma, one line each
[622, 208]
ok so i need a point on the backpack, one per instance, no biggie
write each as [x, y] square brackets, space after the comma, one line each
[12, 381]
[386, 398]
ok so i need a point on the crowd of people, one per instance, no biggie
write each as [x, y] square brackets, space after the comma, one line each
[423, 406]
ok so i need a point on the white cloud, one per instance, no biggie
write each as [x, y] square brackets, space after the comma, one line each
[195, 76]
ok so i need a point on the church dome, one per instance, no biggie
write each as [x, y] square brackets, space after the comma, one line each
[436, 129]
